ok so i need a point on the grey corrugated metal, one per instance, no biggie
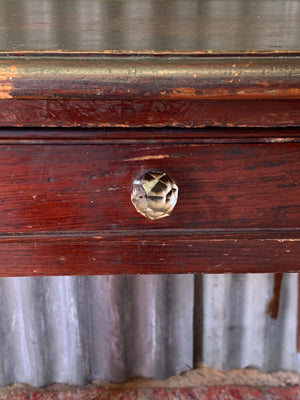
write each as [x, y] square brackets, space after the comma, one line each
[78, 329]
[238, 332]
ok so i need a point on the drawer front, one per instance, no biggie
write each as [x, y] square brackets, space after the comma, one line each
[237, 199]
[87, 187]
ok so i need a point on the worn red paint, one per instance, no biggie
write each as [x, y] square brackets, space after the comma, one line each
[233, 212]
[132, 78]
[150, 113]
[84, 188]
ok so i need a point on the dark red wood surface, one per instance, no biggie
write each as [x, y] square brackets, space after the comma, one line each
[212, 135]
[144, 254]
[153, 91]
[65, 195]
[65, 209]
[158, 113]
[87, 187]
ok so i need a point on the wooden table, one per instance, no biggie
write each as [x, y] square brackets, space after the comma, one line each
[94, 93]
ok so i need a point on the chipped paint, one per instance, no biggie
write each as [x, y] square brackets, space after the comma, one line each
[97, 77]
[181, 92]
[6, 81]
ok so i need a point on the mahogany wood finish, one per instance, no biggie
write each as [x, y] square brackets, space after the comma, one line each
[153, 91]
[147, 254]
[82, 188]
[90, 97]
[238, 209]
[148, 113]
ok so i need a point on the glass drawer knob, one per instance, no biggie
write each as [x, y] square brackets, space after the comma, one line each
[154, 194]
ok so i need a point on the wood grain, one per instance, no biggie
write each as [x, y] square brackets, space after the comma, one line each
[148, 255]
[87, 187]
[134, 91]
[65, 194]
[65, 209]
[147, 113]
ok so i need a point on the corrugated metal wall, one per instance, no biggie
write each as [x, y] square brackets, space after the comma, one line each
[237, 330]
[93, 29]
[78, 329]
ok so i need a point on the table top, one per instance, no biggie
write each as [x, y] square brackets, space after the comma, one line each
[150, 25]
[149, 63]
[135, 70]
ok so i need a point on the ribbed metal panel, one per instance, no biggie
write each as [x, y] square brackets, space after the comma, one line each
[92, 29]
[78, 329]
[237, 330]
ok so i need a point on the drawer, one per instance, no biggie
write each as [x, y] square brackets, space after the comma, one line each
[66, 208]
[82, 188]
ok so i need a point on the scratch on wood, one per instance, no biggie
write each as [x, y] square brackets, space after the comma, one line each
[279, 140]
[113, 188]
[216, 266]
[280, 240]
[152, 157]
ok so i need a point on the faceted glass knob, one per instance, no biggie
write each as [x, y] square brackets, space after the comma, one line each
[154, 194]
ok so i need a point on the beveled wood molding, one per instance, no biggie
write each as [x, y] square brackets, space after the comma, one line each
[149, 77]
